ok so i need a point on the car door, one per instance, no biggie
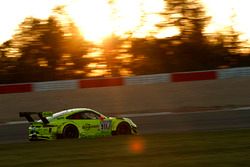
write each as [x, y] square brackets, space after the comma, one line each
[91, 123]
[96, 124]
[88, 123]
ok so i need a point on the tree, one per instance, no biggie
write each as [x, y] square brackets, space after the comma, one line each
[48, 49]
[189, 16]
[152, 55]
[193, 51]
[7, 63]
[74, 61]
[39, 48]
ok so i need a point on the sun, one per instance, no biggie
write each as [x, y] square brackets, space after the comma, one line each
[92, 17]
[98, 19]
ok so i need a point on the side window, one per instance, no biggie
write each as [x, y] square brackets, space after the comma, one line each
[91, 115]
[75, 116]
[84, 115]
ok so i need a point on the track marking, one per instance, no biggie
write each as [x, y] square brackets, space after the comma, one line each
[145, 114]
[241, 108]
[182, 113]
[16, 122]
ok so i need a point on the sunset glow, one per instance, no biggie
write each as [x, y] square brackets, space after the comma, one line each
[13, 12]
[98, 19]
[226, 13]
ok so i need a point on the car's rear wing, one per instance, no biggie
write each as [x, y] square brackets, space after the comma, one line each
[41, 115]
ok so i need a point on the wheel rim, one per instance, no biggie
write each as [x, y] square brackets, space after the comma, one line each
[70, 132]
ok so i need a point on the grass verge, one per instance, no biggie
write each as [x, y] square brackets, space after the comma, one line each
[206, 149]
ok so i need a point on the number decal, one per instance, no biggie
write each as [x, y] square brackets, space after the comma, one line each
[105, 125]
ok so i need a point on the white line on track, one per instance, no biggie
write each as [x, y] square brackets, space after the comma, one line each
[152, 114]
[175, 113]
[241, 108]
[16, 122]
[146, 114]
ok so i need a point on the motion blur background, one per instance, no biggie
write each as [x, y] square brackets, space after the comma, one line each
[74, 39]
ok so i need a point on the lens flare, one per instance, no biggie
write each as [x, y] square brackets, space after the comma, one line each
[136, 145]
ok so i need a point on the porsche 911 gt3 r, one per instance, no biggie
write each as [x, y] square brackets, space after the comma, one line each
[76, 123]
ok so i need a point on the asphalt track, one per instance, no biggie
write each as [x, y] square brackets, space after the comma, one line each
[158, 123]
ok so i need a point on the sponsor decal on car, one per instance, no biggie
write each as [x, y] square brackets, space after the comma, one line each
[89, 126]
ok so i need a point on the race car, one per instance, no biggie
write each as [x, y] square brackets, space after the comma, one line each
[76, 123]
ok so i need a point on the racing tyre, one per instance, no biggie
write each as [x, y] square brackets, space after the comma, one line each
[70, 132]
[123, 129]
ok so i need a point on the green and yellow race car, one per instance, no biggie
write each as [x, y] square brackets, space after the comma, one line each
[76, 123]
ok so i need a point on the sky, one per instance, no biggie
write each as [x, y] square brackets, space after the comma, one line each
[222, 11]
[13, 12]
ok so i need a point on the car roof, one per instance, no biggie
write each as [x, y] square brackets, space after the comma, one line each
[71, 111]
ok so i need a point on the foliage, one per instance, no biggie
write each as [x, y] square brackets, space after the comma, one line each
[54, 48]
[47, 50]
[189, 16]
[191, 50]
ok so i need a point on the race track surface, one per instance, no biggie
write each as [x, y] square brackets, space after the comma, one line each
[161, 123]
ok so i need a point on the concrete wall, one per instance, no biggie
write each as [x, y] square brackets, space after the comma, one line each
[153, 97]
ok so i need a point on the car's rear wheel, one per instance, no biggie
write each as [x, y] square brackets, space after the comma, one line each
[70, 132]
[123, 129]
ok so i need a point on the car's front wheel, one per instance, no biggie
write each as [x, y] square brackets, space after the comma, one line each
[123, 129]
[70, 132]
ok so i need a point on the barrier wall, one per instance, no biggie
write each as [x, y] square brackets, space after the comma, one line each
[147, 79]
[148, 93]
[102, 82]
[194, 76]
[16, 88]
[123, 81]
[55, 85]
[233, 73]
